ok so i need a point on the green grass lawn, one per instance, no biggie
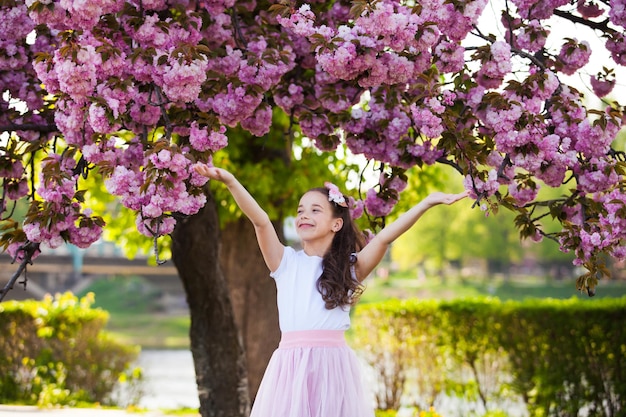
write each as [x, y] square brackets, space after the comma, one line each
[137, 319]
[136, 316]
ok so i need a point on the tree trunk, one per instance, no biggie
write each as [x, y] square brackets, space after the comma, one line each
[216, 346]
[253, 295]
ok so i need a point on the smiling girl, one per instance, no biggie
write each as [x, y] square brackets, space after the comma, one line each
[313, 373]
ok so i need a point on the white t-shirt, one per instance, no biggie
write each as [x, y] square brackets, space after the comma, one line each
[300, 304]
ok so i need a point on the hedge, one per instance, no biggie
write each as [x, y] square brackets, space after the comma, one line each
[554, 357]
[54, 352]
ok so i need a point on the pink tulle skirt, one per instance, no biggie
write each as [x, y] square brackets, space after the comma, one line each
[312, 374]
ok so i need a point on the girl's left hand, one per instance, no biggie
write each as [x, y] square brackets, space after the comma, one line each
[444, 198]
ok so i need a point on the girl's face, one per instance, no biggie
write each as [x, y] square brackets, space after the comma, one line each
[315, 218]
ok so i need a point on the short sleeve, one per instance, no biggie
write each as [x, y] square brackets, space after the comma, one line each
[288, 254]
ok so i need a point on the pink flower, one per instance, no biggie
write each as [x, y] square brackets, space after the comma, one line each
[483, 188]
[616, 44]
[496, 67]
[182, 81]
[260, 122]
[589, 9]
[574, 56]
[532, 36]
[335, 195]
[235, 105]
[16, 251]
[99, 120]
[78, 78]
[301, 22]
[377, 206]
[196, 179]
[199, 137]
[601, 86]
[16, 188]
[450, 56]
[85, 235]
[155, 227]
[356, 208]
[617, 12]
[522, 193]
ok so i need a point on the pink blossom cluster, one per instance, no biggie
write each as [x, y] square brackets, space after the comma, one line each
[301, 22]
[617, 13]
[182, 81]
[450, 56]
[395, 82]
[576, 144]
[16, 252]
[380, 204]
[616, 45]
[601, 84]
[389, 45]
[531, 37]
[167, 184]
[13, 180]
[202, 139]
[72, 14]
[538, 9]
[377, 205]
[63, 219]
[496, 67]
[589, 9]
[14, 24]
[607, 234]
[482, 187]
[597, 175]
[574, 55]
[128, 76]
[235, 104]
[356, 207]
[382, 133]
[291, 98]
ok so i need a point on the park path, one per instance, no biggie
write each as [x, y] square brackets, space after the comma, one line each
[28, 411]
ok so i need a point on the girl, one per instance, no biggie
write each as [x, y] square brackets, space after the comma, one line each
[313, 373]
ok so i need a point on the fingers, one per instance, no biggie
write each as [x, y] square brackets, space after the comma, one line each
[448, 199]
[462, 195]
[207, 171]
[459, 196]
[214, 173]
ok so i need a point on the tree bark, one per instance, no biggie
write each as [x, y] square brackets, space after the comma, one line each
[216, 347]
[253, 295]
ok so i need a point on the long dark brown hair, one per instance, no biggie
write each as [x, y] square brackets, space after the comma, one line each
[336, 284]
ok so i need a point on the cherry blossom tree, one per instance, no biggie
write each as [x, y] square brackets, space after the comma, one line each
[142, 90]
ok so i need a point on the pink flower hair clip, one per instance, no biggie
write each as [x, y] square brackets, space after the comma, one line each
[335, 195]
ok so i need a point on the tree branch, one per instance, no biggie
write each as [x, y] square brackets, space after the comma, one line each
[29, 249]
[29, 127]
[603, 26]
[444, 160]
[240, 39]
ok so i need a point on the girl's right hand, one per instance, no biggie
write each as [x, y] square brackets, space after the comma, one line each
[214, 173]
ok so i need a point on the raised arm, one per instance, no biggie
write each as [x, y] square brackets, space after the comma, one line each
[371, 255]
[271, 247]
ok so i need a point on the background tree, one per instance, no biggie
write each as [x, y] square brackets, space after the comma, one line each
[500, 242]
[142, 90]
[435, 242]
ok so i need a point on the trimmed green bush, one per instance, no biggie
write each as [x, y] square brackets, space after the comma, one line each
[54, 352]
[555, 357]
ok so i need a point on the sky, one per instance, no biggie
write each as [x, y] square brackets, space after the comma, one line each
[559, 30]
